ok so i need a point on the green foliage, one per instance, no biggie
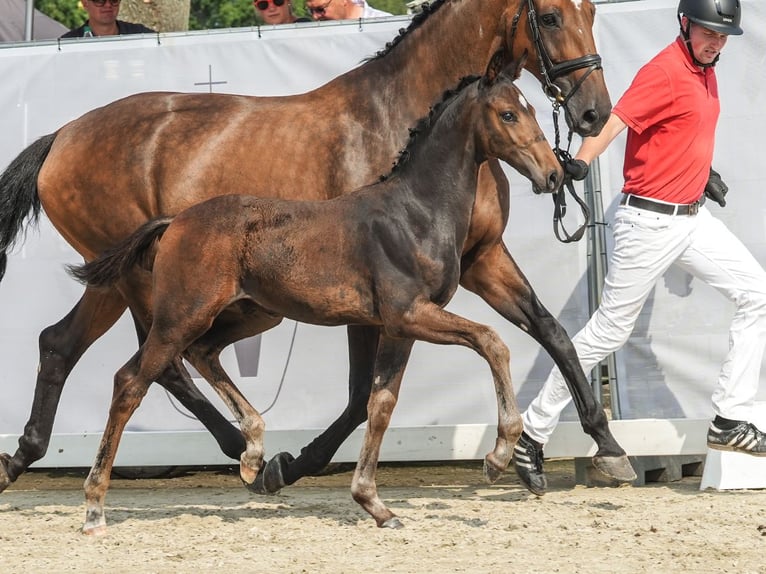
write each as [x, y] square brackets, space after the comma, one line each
[204, 14]
[209, 14]
[69, 12]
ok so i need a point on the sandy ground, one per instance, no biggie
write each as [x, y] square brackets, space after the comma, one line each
[454, 522]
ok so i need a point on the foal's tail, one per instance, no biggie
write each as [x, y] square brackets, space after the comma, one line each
[18, 194]
[113, 263]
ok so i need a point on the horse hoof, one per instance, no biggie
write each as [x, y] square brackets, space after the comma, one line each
[393, 522]
[247, 474]
[94, 529]
[615, 467]
[5, 480]
[491, 472]
[270, 479]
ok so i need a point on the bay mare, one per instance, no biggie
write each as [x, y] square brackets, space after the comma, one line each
[384, 256]
[171, 150]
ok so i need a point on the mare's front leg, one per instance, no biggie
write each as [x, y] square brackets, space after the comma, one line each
[61, 346]
[488, 270]
[387, 378]
[284, 469]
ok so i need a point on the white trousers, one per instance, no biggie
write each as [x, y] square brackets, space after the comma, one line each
[646, 244]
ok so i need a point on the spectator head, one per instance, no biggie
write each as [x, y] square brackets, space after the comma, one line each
[330, 10]
[274, 11]
[101, 13]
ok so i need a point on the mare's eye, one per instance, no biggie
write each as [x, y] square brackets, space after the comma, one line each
[508, 117]
[549, 20]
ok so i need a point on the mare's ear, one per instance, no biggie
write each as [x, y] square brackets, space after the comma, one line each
[495, 66]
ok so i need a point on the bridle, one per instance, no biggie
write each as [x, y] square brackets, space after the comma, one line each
[551, 72]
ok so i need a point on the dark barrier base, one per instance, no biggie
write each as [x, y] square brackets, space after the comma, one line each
[648, 469]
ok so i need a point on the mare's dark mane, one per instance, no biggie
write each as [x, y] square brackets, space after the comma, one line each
[427, 121]
[426, 10]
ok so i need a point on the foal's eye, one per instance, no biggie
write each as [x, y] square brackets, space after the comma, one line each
[508, 117]
[549, 20]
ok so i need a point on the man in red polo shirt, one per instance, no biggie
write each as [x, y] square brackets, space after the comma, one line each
[670, 110]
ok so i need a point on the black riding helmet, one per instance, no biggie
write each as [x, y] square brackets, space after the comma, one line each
[722, 16]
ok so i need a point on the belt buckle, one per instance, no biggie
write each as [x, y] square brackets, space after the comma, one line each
[694, 208]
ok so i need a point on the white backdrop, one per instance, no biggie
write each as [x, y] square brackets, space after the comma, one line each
[671, 360]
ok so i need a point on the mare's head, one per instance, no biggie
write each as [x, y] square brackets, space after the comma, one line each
[508, 130]
[558, 35]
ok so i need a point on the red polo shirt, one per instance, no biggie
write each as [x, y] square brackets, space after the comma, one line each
[671, 110]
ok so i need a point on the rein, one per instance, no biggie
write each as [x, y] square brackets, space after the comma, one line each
[551, 72]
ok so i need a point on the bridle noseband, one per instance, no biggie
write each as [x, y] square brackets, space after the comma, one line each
[551, 72]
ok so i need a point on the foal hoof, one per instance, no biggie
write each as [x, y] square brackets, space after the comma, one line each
[615, 467]
[5, 480]
[491, 472]
[270, 479]
[98, 530]
[392, 522]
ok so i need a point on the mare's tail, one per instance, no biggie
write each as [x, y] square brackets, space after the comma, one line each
[113, 263]
[18, 194]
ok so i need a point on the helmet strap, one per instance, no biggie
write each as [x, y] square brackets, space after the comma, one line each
[688, 42]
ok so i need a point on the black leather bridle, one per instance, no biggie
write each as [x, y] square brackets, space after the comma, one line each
[551, 72]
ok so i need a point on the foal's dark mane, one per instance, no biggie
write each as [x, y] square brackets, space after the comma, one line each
[426, 10]
[426, 122]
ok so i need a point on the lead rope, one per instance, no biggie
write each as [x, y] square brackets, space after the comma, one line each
[559, 197]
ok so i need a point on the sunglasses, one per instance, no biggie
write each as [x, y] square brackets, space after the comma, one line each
[320, 11]
[100, 3]
[262, 5]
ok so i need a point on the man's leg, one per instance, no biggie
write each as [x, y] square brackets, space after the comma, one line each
[646, 244]
[718, 257]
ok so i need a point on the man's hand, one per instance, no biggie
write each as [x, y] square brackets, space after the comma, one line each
[716, 189]
[577, 169]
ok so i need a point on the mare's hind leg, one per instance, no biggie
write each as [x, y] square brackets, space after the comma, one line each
[495, 277]
[61, 346]
[283, 469]
[389, 370]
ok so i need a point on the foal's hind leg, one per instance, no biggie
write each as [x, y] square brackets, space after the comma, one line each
[61, 346]
[176, 380]
[251, 424]
[129, 390]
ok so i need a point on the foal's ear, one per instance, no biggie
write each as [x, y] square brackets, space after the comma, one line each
[514, 68]
[495, 67]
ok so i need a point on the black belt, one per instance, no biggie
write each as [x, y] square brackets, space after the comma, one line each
[664, 208]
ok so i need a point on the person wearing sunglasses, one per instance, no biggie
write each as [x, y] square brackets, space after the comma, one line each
[342, 10]
[274, 12]
[102, 21]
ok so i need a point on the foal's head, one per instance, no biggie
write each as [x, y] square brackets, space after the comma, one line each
[508, 129]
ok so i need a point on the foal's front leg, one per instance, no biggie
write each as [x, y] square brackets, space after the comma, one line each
[429, 322]
[390, 361]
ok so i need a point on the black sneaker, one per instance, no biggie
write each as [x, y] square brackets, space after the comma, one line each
[528, 463]
[745, 437]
